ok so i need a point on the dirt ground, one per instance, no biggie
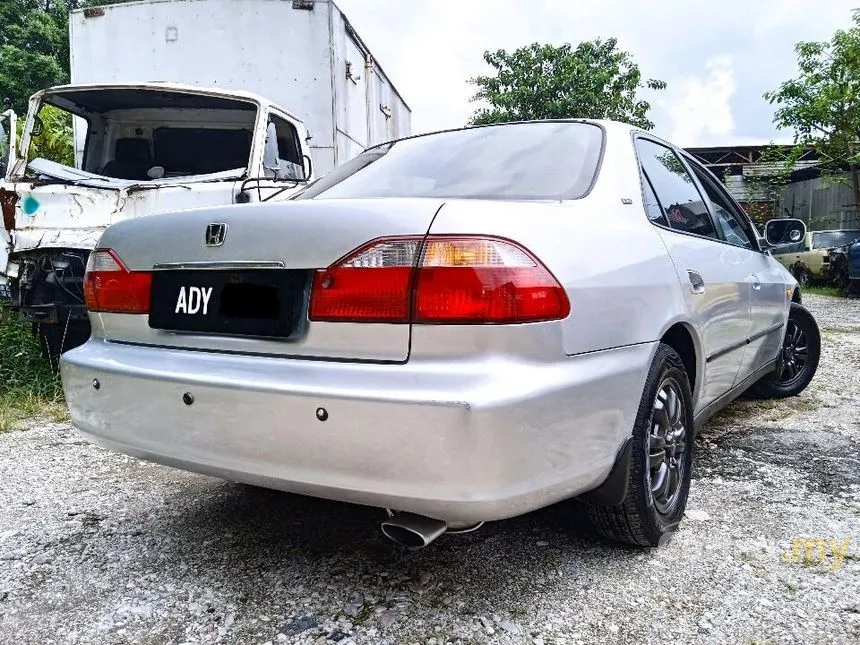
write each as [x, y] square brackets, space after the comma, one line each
[98, 548]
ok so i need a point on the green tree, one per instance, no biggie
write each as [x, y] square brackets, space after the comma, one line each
[822, 105]
[594, 80]
[34, 47]
[55, 138]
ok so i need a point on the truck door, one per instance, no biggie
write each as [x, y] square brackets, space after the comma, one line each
[285, 163]
[8, 141]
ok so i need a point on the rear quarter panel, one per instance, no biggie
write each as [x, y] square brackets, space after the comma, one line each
[622, 285]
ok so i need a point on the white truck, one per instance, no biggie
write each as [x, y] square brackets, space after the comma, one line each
[176, 104]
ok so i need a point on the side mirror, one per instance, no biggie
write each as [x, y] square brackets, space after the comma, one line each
[271, 163]
[784, 231]
[307, 167]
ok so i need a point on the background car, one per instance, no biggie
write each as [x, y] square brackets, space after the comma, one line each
[853, 257]
[459, 327]
[810, 259]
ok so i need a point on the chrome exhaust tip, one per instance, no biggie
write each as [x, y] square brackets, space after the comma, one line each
[411, 530]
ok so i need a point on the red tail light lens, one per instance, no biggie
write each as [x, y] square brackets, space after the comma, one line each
[474, 280]
[372, 284]
[457, 280]
[110, 287]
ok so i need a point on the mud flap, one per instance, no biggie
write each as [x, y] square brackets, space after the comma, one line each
[614, 488]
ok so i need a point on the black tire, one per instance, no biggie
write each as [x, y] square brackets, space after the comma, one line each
[801, 274]
[798, 359]
[840, 274]
[646, 517]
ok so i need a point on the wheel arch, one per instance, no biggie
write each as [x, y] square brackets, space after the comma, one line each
[681, 336]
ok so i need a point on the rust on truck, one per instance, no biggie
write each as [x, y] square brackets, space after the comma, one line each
[8, 199]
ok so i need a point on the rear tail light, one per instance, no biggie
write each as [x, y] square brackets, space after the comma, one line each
[110, 287]
[462, 280]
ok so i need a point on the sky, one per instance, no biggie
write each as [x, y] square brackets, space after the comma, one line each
[718, 58]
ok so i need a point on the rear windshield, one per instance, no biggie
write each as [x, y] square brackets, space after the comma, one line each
[518, 161]
[834, 238]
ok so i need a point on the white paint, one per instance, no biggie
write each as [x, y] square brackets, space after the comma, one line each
[294, 57]
[192, 302]
[207, 293]
[181, 304]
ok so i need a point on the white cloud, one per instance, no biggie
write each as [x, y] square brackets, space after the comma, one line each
[717, 58]
[699, 107]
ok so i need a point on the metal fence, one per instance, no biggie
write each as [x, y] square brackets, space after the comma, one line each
[823, 203]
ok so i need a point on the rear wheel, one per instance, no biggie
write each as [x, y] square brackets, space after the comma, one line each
[801, 274]
[661, 460]
[798, 359]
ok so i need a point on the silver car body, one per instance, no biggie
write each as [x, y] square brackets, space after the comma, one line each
[458, 422]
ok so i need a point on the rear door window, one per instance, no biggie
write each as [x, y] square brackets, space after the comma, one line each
[652, 204]
[679, 198]
[730, 225]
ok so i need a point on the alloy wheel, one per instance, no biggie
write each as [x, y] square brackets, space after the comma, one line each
[795, 354]
[667, 443]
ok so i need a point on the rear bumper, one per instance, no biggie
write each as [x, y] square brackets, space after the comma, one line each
[463, 441]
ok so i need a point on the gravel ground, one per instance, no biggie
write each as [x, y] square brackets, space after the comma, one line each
[100, 548]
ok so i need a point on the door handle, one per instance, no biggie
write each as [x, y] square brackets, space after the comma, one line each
[697, 284]
[756, 284]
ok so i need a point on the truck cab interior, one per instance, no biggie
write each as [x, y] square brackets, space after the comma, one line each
[144, 134]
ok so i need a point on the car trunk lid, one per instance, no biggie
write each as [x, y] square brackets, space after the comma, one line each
[237, 279]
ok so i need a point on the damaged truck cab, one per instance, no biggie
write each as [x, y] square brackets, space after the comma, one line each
[139, 149]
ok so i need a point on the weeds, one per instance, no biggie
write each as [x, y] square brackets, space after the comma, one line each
[823, 290]
[28, 384]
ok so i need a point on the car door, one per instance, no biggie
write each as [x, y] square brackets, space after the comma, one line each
[713, 276]
[766, 281]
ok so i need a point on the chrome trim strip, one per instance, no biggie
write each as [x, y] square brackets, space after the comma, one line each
[743, 343]
[728, 350]
[765, 332]
[209, 265]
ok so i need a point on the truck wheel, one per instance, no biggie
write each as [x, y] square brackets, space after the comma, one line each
[661, 460]
[798, 359]
[58, 338]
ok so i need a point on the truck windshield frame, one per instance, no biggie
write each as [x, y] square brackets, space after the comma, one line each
[529, 161]
[146, 117]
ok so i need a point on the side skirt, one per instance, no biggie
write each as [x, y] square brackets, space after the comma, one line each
[718, 404]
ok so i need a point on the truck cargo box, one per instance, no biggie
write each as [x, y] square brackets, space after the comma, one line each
[302, 54]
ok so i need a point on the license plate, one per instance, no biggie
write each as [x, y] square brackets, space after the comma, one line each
[247, 302]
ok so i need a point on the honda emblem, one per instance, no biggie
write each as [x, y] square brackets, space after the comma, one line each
[215, 234]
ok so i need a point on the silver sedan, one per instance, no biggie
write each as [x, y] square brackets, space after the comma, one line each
[458, 327]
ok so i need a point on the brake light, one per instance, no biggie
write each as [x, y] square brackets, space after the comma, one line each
[110, 287]
[458, 280]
